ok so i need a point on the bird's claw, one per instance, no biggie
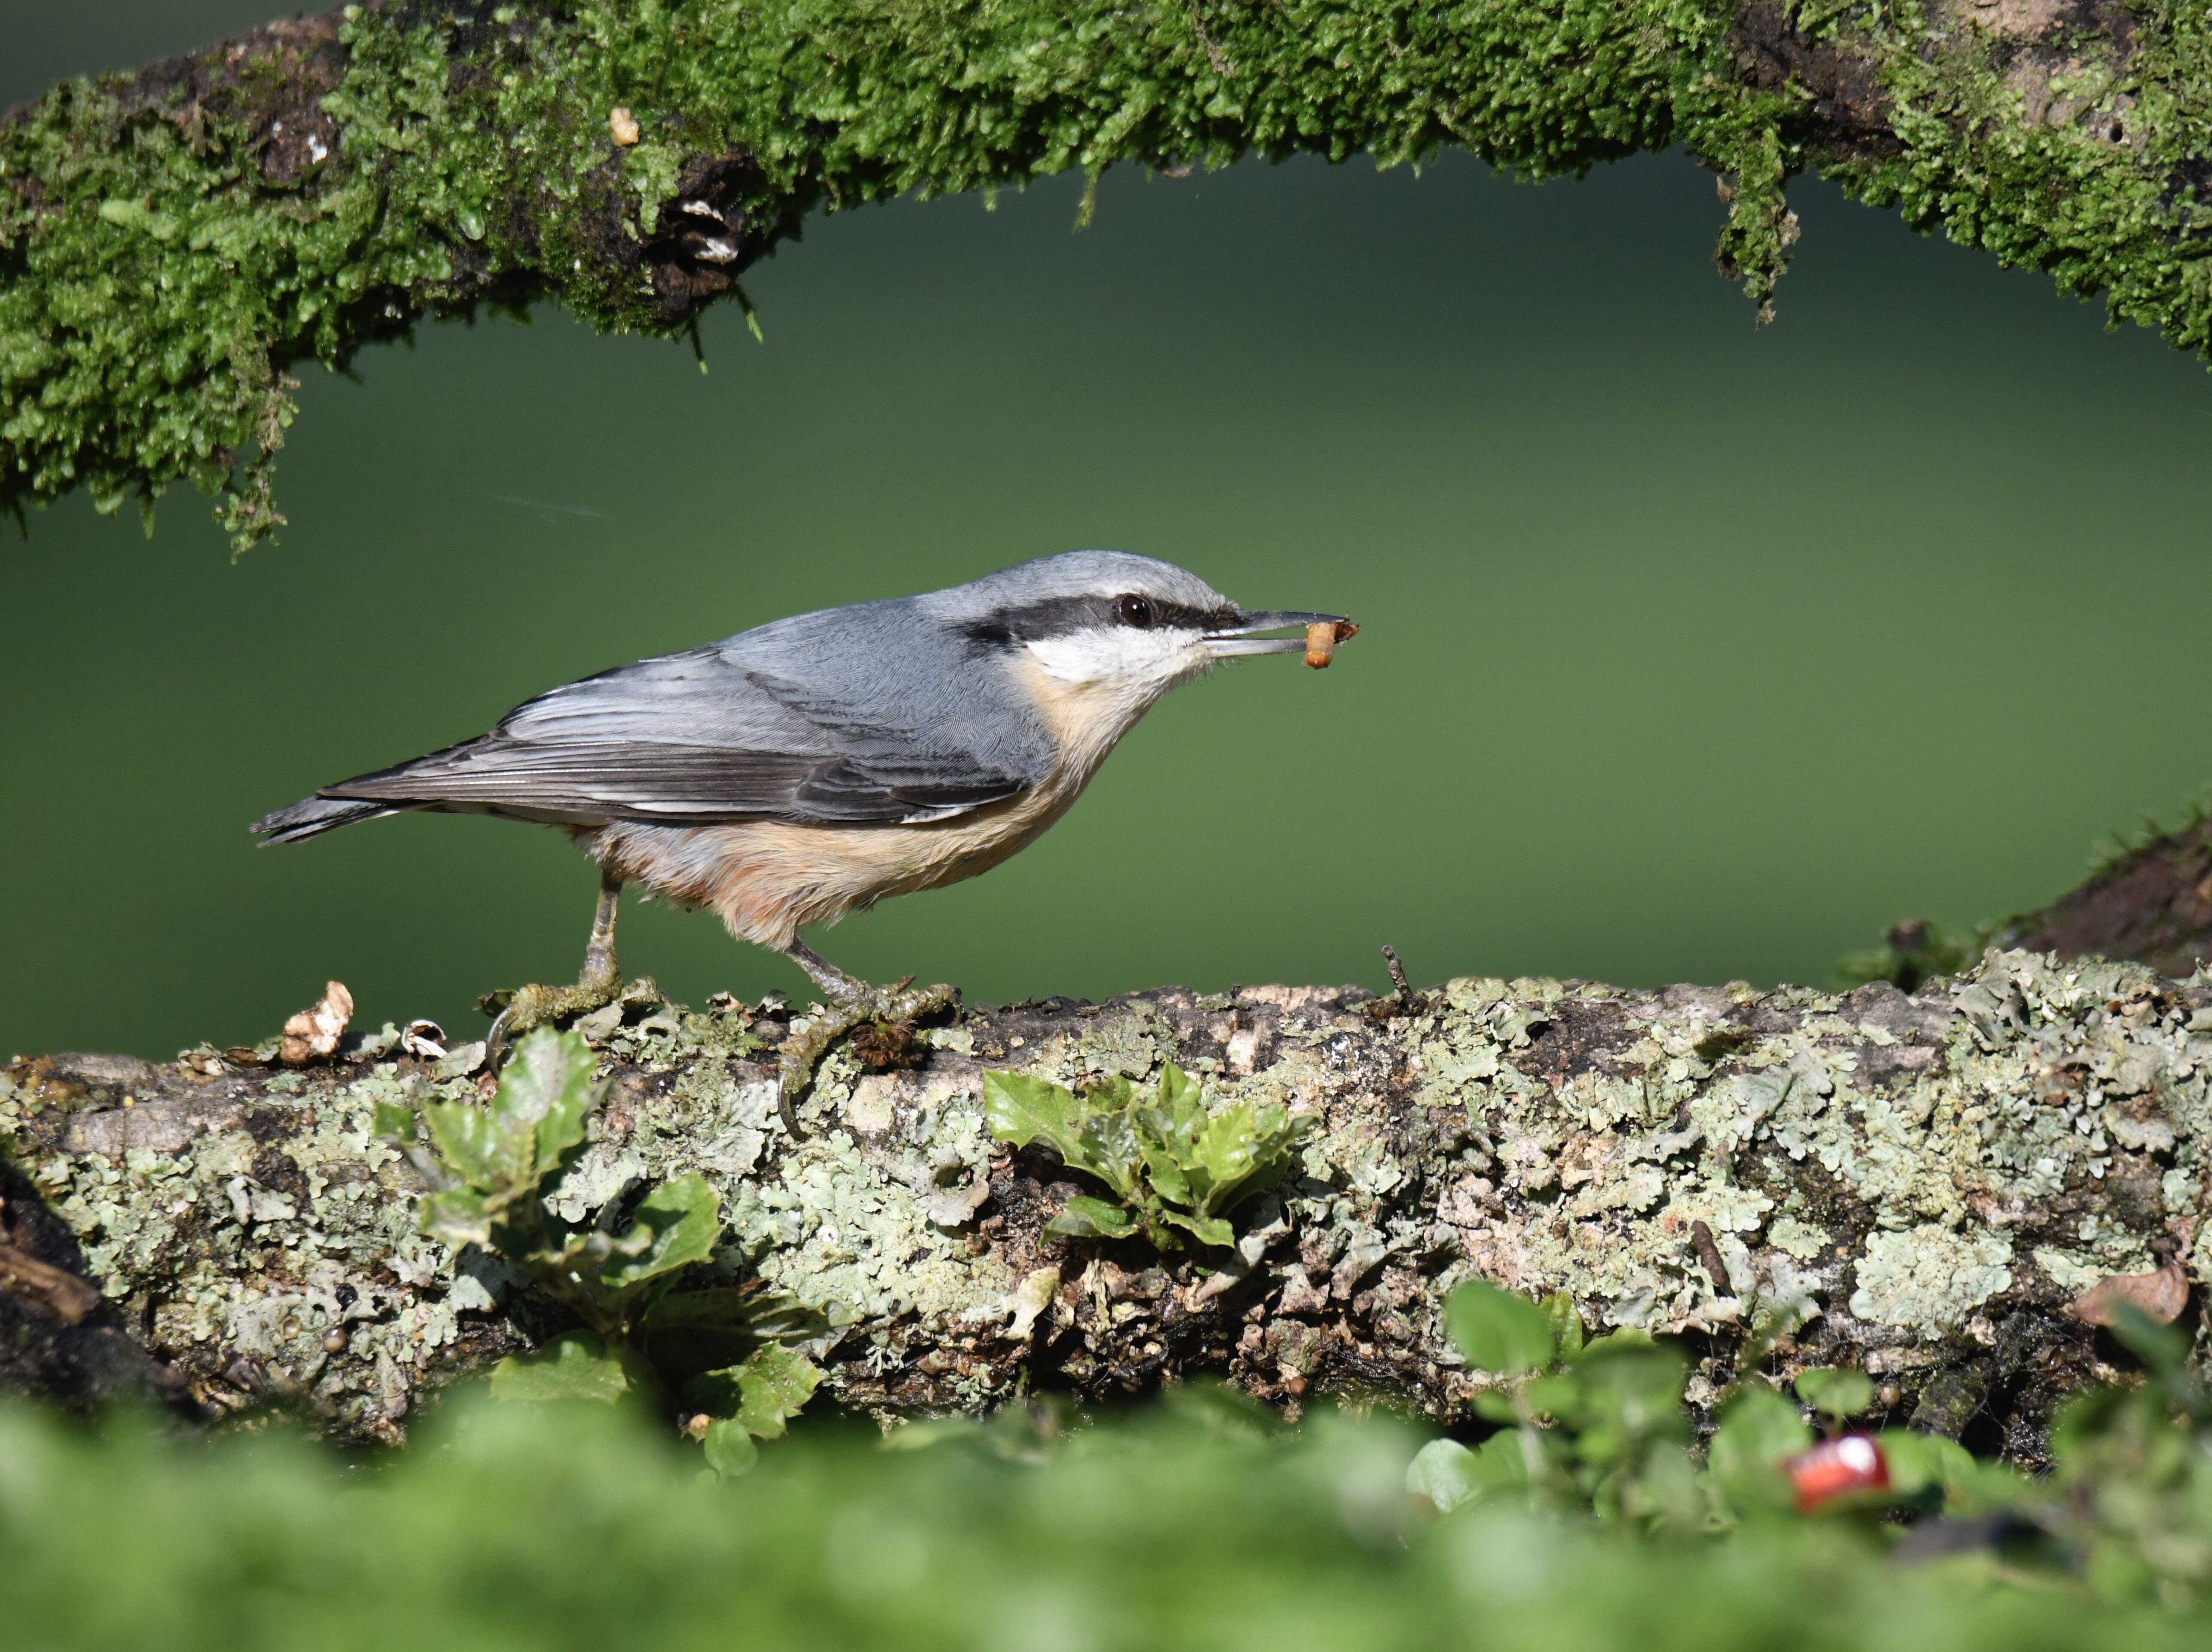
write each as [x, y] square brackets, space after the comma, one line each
[530, 1007]
[796, 1061]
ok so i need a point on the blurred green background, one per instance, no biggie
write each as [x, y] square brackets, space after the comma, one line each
[1690, 651]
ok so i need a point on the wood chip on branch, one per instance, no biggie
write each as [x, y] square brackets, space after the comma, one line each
[312, 1035]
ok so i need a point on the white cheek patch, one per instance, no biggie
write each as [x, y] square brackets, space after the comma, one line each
[1121, 655]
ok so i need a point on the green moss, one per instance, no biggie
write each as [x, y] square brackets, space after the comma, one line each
[165, 250]
[2076, 156]
[158, 271]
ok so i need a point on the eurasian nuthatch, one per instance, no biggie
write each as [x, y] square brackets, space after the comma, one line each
[788, 775]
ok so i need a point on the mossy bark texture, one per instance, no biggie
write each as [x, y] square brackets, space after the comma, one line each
[171, 243]
[1929, 1180]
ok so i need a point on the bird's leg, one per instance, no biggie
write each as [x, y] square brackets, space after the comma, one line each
[599, 984]
[851, 1002]
[838, 986]
[599, 968]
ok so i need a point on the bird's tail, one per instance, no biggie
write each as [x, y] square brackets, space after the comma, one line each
[313, 817]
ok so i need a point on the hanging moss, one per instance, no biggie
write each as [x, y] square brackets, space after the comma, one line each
[170, 243]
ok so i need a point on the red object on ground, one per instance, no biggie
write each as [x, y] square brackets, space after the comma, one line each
[1836, 1468]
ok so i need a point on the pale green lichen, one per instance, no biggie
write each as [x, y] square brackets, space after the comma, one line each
[1800, 1239]
[1894, 1169]
[1930, 1278]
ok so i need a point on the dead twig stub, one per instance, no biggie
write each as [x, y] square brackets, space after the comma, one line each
[1701, 1237]
[56, 1290]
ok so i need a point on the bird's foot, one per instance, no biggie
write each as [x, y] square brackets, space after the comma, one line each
[896, 1005]
[523, 1009]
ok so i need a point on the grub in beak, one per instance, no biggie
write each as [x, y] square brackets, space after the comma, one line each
[1245, 637]
[1321, 638]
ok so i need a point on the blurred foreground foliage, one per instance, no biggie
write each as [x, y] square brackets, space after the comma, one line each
[576, 1526]
[1199, 1521]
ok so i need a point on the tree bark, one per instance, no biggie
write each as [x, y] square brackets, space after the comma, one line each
[1933, 1178]
[170, 242]
[2151, 902]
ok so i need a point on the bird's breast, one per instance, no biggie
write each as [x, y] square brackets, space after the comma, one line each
[768, 879]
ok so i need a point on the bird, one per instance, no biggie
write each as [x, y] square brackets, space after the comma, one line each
[790, 775]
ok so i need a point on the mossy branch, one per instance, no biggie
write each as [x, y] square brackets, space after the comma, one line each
[171, 243]
[1947, 1190]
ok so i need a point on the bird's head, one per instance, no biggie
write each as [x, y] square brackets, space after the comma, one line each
[1107, 617]
[1097, 636]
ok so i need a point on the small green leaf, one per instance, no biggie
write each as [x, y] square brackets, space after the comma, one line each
[1109, 1147]
[1208, 1164]
[1178, 1089]
[460, 1218]
[776, 1383]
[1499, 1330]
[1086, 1218]
[1163, 1168]
[1566, 1323]
[1834, 1392]
[1111, 1095]
[677, 1223]
[1450, 1475]
[1242, 1151]
[1628, 1395]
[547, 1088]
[1759, 1426]
[729, 1450]
[393, 1121]
[1918, 1460]
[1560, 1394]
[1024, 1110]
[770, 1387]
[575, 1367]
[1211, 1229]
[1442, 1470]
[1758, 1429]
[1494, 1405]
[477, 1147]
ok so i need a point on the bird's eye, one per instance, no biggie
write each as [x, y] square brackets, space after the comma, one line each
[1134, 610]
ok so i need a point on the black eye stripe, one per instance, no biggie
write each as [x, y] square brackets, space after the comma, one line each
[1059, 617]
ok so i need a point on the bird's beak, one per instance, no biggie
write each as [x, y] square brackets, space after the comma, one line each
[1234, 641]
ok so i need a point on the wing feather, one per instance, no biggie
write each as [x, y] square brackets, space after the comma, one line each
[694, 739]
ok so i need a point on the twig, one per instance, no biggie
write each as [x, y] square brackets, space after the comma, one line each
[1709, 1255]
[57, 1289]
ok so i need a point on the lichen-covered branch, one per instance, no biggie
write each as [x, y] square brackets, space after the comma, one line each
[171, 242]
[1929, 1182]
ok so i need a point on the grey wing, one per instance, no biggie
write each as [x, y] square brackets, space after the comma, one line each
[700, 737]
